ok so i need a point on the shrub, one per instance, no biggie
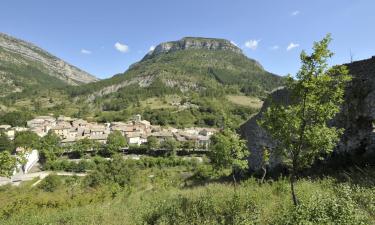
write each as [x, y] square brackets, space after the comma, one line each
[50, 183]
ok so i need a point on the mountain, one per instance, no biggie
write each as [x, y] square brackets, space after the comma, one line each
[25, 66]
[192, 81]
[200, 65]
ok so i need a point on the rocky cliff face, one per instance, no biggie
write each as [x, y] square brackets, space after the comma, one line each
[357, 117]
[18, 52]
[193, 43]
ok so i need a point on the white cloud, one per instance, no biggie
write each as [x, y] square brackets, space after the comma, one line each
[152, 48]
[85, 51]
[121, 47]
[275, 47]
[252, 44]
[234, 43]
[291, 46]
[295, 13]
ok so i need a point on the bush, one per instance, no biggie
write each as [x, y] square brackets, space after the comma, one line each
[325, 209]
[50, 183]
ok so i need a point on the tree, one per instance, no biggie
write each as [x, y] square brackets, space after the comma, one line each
[189, 145]
[228, 150]
[49, 147]
[17, 118]
[300, 129]
[152, 143]
[115, 141]
[5, 143]
[171, 145]
[8, 164]
[26, 139]
[83, 145]
[265, 162]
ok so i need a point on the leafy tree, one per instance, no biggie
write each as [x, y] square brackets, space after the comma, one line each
[228, 150]
[152, 143]
[115, 141]
[50, 148]
[83, 145]
[5, 143]
[116, 171]
[16, 118]
[188, 145]
[171, 145]
[26, 139]
[300, 129]
[7, 164]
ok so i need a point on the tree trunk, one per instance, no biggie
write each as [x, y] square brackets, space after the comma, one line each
[294, 197]
[234, 178]
[264, 174]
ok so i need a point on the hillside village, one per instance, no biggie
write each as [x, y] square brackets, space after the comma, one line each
[136, 131]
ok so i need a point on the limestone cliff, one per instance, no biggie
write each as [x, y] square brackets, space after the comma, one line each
[357, 116]
[193, 43]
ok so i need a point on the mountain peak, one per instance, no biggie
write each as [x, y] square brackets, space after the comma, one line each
[193, 43]
[25, 53]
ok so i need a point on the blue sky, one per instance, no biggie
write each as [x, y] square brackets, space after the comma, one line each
[89, 34]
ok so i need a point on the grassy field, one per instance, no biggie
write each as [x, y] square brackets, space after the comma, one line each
[172, 196]
[161, 103]
[242, 100]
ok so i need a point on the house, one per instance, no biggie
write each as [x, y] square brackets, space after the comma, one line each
[62, 130]
[97, 130]
[64, 118]
[101, 138]
[79, 123]
[162, 135]
[203, 141]
[8, 131]
[135, 138]
[5, 127]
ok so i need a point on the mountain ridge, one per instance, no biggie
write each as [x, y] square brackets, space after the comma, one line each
[23, 64]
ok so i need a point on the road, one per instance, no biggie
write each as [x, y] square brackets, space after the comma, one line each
[18, 178]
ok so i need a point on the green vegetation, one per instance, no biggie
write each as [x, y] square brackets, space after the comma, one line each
[300, 128]
[7, 164]
[122, 192]
[228, 150]
[115, 141]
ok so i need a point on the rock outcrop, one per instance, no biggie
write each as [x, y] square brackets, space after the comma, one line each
[193, 43]
[22, 52]
[356, 117]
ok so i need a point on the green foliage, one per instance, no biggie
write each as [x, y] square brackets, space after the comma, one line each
[117, 171]
[7, 164]
[115, 141]
[17, 118]
[70, 166]
[161, 200]
[50, 183]
[26, 139]
[300, 128]
[5, 143]
[171, 145]
[49, 147]
[228, 150]
[83, 145]
[152, 143]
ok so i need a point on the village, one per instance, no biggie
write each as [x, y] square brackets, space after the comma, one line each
[136, 131]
